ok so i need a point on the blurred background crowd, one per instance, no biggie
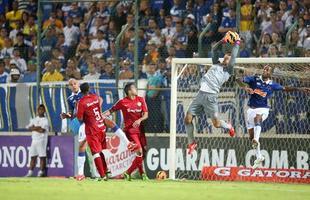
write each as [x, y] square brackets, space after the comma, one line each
[78, 39]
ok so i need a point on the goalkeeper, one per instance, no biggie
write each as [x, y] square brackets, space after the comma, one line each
[210, 85]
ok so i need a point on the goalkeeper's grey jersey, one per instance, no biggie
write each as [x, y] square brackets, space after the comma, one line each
[213, 80]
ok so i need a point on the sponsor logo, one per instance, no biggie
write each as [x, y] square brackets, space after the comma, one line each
[139, 104]
[134, 110]
[260, 175]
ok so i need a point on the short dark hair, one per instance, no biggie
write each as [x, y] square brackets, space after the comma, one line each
[84, 88]
[127, 87]
[42, 106]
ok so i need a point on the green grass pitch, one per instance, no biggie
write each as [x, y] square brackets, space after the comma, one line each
[67, 189]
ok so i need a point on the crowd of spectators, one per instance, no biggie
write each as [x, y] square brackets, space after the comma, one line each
[78, 39]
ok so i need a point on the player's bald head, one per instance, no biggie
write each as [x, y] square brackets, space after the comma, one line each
[74, 85]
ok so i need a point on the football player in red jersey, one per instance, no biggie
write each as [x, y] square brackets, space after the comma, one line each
[89, 111]
[134, 111]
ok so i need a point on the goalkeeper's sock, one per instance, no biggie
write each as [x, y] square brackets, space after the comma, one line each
[120, 133]
[81, 161]
[99, 164]
[190, 132]
[135, 164]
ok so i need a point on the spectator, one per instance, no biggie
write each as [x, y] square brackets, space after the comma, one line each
[21, 46]
[276, 40]
[171, 53]
[82, 46]
[7, 49]
[14, 15]
[3, 74]
[71, 33]
[201, 9]
[98, 25]
[14, 75]
[150, 31]
[20, 62]
[265, 9]
[76, 13]
[264, 43]
[191, 31]
[3, 35]
[228, 23]
[216, 14]
[92, 72]
[39, 127]
[302, 32]
[53, 22]
[72, 71]
[51, 74]
[211, 34]
[293, 14]
[58, 66]
[275, 26]
[293, 41]
[272, 51]
[126, 72]
[169, 31]
[141, 44]
[30, 28]
[129, 52]
[152, 51]
[99, 46]
[180, 41]
[161, 19]
[244, 52]
[48, 43]
[108, 72]
[162, 48]
[247, 23]
[154, 123]
[31, 74]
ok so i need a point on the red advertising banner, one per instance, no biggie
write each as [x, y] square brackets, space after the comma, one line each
[257, 175]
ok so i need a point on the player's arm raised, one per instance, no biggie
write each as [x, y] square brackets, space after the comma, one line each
[234, 52]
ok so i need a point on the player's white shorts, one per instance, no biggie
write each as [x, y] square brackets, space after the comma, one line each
[38, 148]
[251, 114]
[82, 135]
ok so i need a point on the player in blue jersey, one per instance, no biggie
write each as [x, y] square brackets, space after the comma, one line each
[72, 101]
[260, 88]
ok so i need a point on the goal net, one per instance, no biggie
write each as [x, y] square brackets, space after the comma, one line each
[285, 138]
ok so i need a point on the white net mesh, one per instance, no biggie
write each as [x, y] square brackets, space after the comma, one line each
[285, 133]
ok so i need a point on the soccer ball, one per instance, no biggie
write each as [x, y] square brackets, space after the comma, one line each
[231, 37]
[161, 175]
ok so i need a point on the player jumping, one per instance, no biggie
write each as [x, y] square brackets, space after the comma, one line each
[135, 111]
[211, 83]
[260, 88]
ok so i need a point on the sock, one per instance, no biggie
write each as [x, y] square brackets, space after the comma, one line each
[140, 167]
[105, 167]
[190, 132]
[257, 130]
[258, 153]
[81, 161]
[120, 133]
[99, 164]
[224, 125]
[137, 162]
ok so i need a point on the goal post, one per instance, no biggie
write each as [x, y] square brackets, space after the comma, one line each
[232, 100]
